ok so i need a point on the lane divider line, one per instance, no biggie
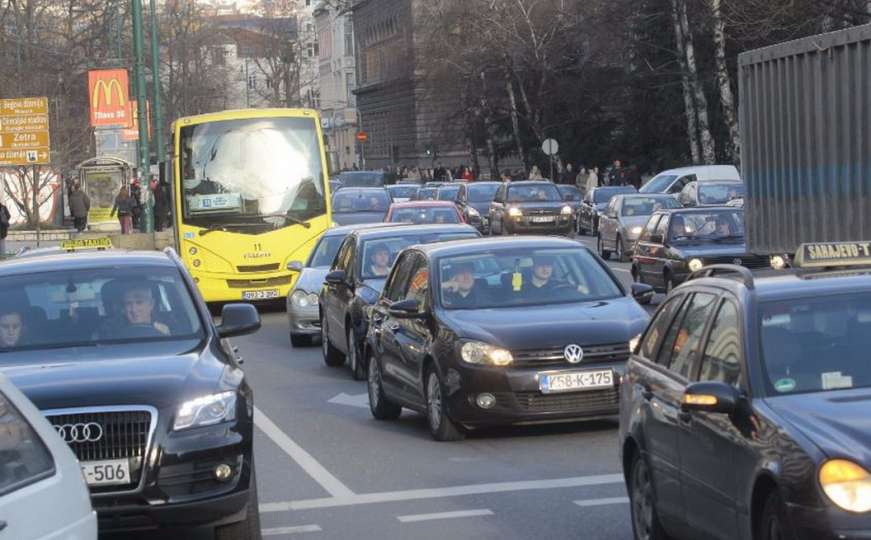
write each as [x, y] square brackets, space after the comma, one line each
[280, 531]
[309, 464]
[602, 502]
[414, 518]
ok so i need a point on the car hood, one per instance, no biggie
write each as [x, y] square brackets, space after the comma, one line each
[629, 222]
[714, 250]
[542, 327]
[156, 374]
[554, 207]
[311, 279]
[836, 421]
[356, 218]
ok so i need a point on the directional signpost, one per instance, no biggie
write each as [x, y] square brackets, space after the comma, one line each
[24, 138]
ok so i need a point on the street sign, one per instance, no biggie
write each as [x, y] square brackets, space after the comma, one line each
[550, 147]
[362, 137]
[24, 133]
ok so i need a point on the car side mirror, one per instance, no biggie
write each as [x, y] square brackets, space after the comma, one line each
[405, 309]
[295, 266]
[642, 293]
[710, 396]
[238, 320]
[336, 277]
[656, 238]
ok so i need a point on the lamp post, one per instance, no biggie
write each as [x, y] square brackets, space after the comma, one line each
[142, 114]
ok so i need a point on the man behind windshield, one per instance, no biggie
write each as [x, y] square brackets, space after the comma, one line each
[137, 316]
[459, 288]
[11, 329]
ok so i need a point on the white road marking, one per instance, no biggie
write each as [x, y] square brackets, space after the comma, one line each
[602, 502]
[309, 464]
[437, 493]
[621, 270]
[414, 518]
[351, 400]
[279, 531]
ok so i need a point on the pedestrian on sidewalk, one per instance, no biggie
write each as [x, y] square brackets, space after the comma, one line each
[5, 218]
[593, 179]
[535, 173]
[136, 205]
[124, 208]
[80, 204]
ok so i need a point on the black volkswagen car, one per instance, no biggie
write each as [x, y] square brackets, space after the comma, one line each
[530, 207]
[744, 408]
[594, 205]
[356, 278]
[474, 200]
[118, 351]
[677, 242]
[508, 331]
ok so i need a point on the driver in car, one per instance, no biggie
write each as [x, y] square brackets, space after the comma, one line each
[459, 288]
[137, 310]
[379, 260]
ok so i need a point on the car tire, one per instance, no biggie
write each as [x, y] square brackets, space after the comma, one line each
[358, 369]
[441, 427]
[621, 250]
[249, 528]
[669, 284]
[581, 230]
[300, 340]
[642, 507]
[380, 406]
[601, 248]
[332, 356]
[774, 523]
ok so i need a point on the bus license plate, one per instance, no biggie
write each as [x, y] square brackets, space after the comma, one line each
[575, 381]
[111, 472]
[260, 295]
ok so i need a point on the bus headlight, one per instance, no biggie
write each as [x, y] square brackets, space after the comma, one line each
[846, 484]
[696, 265]
[192, 250]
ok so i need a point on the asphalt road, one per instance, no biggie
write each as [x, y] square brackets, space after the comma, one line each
[327, 469]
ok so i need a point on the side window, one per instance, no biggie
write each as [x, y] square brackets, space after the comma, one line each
[342, 254]
[612, 206]
[348, 262]
[722, 359]
[650, 227]
[397, 283]
[685, 335]
[658, 326]
[418, 285]
[24, 459]
[662, 228]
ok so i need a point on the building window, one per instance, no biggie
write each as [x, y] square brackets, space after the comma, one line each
[349, 87]
[268, 83]
[349, 38]
[252, 82]
[219, 56]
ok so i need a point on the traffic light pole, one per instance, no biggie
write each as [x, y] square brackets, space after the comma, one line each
[142, 112]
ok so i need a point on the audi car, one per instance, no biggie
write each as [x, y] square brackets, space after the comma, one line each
[118, 351]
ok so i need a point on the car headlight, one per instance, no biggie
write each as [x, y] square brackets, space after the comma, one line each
[514, 212]
[567, 210]
[846, 484]
[778, 262]
[206, 411]
[696, 265]
[473, 212]
[479, 353]
[303, 299]
[635, 231]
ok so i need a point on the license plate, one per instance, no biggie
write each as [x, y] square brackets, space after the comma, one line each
[542, 219]
[111, 472]
[575, 381]
[260, 295]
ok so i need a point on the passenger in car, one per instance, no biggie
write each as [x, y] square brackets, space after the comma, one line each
[11, 329]
[379, 260]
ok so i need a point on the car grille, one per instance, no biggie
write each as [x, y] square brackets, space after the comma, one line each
[260, 268]
[749, 261]
[259, 283]
[591, 401]
[555, 357]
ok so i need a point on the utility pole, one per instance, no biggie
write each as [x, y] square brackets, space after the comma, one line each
[142, 114]
[157, 115]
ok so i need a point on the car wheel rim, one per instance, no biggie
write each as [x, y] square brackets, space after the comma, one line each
[374, 383]
[642, 502]
[434, 402]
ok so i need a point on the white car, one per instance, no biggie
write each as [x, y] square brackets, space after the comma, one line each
[42, 491]
[673, 181]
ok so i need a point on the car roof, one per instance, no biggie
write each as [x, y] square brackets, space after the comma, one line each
[779, 285]
[345, 230]
[84, 260]
[697, 168]
[486, 183]
[530, 183]
[352, 173]
[470, 246]
[697, 209]
[400, 229]
[363, 189]
[420, 204]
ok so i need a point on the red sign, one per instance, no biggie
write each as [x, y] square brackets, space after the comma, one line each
[109, 99]
[132, 133]
[362, 136]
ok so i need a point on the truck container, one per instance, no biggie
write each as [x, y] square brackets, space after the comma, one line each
[805, 122]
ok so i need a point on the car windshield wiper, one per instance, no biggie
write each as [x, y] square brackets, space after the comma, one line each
[287, 217]
[225, 227]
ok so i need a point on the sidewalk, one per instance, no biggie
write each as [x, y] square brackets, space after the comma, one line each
[17, 240]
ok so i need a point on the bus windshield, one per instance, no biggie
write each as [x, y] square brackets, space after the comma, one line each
[251, 175]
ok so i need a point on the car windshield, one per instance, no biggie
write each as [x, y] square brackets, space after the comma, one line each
[325, 252]
[720, 193]
[604, 195]
[379, 254]
[815, 345]
[251, 173]
[426, 194]
[424, 215]
[523, 277]
[482, 192]
[353, 200]
[95, 306]
[402, 192]
[362, 179]
[706, 226]
[659, 184]
[448, 193]
[533, 193]
[645, 206]
[572, 191]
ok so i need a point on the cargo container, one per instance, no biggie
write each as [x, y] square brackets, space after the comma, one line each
[805, 120]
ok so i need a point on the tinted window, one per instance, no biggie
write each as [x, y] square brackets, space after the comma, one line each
[448, 193]
[402, 191]
[650, 227]
[343, 257]
[362, 179]
[426, 194]
[572, 191]
[719, 193]
[682, 342]
[483, 192]
[24, 459]
[716, 225]
[351, 200]
[424, 215]
[658, 184]
[603, 195]
[325, 252]
[645, 206]
[395, 244]
[658, 327]
[399, 278]
[662, 228]
[419, 283]
[722, 358]
[533, 193]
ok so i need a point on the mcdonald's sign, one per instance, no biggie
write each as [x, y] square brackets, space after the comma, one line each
[109, 98]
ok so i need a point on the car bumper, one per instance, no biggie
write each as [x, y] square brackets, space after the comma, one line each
[519, 399]
[304, 321]
[561, 225]
[814, 523]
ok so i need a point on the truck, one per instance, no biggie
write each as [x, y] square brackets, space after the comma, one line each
[805, 124]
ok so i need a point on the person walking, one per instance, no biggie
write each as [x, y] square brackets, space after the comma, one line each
[136, 204]
[467, 175]
[5, 218]
[124, 208]
[593, 179]
[80, 204]
[535, 173]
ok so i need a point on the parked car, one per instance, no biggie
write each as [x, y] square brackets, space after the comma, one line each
[43, 495]
[494, 331]
[673, 181]
[530, 207]
[593, 206]
[422, 212]
[474, 201]
[711, 193]
[354, 206]
[402, 192]
[355, 280]
[362, 179]
[624, 219]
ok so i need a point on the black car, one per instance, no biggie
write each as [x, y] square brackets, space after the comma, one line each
[362, 178]
[530, 207]
[744, 408]
[119, 352]
[474, 201]
[593, 206]
[500, 331]
[675, 243]
[356, 278]
[353, 206]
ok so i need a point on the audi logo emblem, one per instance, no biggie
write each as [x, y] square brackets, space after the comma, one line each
[80, 433]
[573, 353]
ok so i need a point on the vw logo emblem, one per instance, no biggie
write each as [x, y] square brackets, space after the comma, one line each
[573, 353]
[80, 433]
[737, 261]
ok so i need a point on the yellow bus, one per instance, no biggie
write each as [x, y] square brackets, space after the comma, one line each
[251, 195]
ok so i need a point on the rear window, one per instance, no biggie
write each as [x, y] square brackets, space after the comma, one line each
[602, 196]
[645, 206]
[482, 193]
[402, 192]
[574, 192]
[362, 179]
[448, 193]
[719, 193]
[349, 200]
[424, 215]
[533, 193]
